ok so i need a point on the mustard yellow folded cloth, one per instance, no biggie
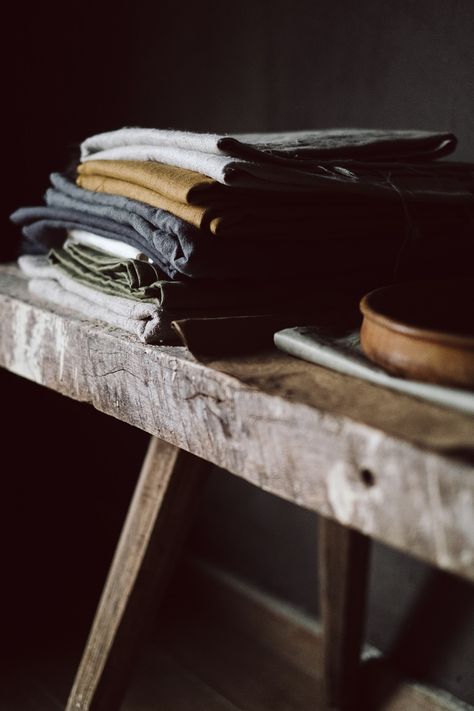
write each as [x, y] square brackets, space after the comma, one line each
[197, 199]
[163, 186]
[230, 212]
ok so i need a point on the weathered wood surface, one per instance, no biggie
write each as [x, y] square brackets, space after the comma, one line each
[158, 519]
[343, 574]
[394, 468]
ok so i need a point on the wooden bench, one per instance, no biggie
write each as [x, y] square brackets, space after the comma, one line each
[373, 464]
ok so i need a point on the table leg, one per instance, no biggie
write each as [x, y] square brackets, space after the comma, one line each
[155, 528]
[344, 564]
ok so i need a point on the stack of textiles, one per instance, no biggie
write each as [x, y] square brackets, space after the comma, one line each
[156, 225]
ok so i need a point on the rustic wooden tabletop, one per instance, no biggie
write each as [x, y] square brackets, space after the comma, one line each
[395, 468]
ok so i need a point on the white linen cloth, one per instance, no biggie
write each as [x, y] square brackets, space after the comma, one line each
[110, 246]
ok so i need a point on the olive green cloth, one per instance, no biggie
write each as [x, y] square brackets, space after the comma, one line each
[143, 281]
[138, 280]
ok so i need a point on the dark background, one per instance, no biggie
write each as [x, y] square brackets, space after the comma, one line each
[75, 69]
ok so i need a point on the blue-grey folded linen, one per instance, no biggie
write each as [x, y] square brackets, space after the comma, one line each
[182, 250]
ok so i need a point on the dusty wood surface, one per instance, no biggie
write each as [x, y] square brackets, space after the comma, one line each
[157, 521]
[392, 467]
[343, 572]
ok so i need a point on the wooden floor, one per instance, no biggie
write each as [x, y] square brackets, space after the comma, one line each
[216, 645]
[198, 660]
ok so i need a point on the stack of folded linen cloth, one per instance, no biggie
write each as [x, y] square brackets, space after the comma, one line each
[160, 224]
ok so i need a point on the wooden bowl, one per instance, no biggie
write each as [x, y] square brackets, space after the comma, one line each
[422, 330]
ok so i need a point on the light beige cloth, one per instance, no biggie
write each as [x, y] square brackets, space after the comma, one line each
[274, 161]
[143, 319]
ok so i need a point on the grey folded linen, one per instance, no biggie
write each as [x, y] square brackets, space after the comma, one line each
[182, 250]
[278, 161]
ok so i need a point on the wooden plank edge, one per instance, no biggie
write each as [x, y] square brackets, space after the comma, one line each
[327, 462]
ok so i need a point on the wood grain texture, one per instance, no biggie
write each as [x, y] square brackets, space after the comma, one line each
[343, 573]
[392, 467]
[151, 539]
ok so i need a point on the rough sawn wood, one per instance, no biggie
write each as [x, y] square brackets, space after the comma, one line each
[392, 467]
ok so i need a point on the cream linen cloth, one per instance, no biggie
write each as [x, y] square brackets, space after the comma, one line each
[279, 160]
[49, 282]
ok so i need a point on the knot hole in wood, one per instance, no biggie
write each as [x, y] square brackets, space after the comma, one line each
[367, 477]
